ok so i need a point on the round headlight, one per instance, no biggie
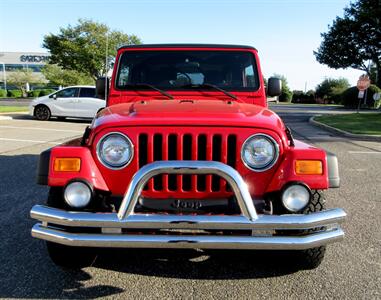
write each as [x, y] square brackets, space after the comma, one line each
[77, 194]
[296, 197]
[115, 150]
[259, 152]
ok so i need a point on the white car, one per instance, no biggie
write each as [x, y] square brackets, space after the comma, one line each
[72, 101]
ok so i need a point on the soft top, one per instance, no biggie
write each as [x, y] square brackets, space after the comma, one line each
[187, 46]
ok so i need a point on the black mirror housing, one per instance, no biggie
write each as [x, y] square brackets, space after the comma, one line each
[274, 87]
[102, 86]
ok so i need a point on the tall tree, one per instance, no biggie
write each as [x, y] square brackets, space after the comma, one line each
[355, 39]
[82, 48]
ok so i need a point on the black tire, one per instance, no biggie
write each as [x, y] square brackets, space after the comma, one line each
[312, 258]
[42, 112]
[64, 256]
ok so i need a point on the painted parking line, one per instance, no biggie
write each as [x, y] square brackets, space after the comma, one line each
[40, 128]
[364, 152]
[29, 141]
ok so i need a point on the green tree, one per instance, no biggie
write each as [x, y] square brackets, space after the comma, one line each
[20, 79]
[354, 40]
[82, 48]
[331, 89]
[59, 76]
[286, 95]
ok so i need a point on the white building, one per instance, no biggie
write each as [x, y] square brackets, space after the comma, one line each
[11, 61]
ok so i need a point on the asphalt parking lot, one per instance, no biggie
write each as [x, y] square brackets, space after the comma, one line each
[351, 269]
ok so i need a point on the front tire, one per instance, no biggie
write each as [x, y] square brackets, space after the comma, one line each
[42, 113]
[312, 258]
[64, 256]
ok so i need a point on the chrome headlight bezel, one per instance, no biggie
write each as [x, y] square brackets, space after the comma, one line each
[270, 164]
[104, 161]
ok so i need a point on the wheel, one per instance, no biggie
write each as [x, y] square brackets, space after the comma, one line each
[42, 112]
[312, 258]
[64, 256]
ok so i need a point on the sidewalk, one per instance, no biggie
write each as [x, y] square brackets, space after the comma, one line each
[15, 102]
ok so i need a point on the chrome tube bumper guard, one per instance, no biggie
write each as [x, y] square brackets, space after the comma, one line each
[112, 223]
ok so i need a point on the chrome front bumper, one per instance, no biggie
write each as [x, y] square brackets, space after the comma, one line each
[111, 224]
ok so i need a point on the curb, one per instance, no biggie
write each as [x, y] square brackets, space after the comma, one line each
[364, 137]
[3, 118]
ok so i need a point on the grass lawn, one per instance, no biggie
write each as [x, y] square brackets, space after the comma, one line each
[4, 109]
[367, 123]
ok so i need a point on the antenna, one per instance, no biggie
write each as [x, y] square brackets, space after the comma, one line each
[106, 67]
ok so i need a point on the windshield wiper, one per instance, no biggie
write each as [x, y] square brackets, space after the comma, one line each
[137, 85]
[208, 85]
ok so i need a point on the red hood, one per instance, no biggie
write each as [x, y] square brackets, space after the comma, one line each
[188, 113]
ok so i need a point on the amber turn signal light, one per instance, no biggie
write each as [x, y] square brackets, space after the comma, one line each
[67, 164]
[308, 167]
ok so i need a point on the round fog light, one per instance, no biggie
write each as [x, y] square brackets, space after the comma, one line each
[296, 197]
[77, 194]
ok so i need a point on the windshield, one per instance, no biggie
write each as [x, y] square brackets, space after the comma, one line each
[179, 70]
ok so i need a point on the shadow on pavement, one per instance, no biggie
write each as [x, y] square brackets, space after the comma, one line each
[53, 119]
[197, 264]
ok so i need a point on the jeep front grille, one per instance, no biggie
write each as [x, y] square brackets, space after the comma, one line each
[174, 146]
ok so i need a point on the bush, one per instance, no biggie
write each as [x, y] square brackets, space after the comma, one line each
[34, 93]
[286, 96]
[301, 97]
[3, 93]
[14, 93]
[45, 92]
[349, 98]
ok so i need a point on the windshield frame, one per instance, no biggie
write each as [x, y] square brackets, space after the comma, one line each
[190, 89]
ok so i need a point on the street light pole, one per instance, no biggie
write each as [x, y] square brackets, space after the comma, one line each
[4, 76]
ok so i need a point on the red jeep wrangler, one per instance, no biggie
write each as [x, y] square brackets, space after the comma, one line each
[186, 155]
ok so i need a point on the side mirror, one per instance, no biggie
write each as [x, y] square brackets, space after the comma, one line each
[54, 97]
[101, 85]
[274, 87]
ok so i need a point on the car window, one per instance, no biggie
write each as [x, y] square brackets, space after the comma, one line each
[87, 92]
[179, 70]
[67, 93]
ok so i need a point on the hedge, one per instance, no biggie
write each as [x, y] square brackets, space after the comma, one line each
[3, 93]
[34, 93]
[45, 92]
[14, 94]
[349, 98]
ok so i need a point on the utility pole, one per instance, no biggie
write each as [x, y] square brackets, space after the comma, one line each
[4, 76]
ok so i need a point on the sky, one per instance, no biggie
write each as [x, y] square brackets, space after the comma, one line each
[285, 32]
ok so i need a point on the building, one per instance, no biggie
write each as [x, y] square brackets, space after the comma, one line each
[11, 61]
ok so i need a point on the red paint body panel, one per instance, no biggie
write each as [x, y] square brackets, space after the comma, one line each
[286, 171]
[89, 170]
[180, 113]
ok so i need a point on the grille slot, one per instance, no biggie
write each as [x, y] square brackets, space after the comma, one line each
[172, 146]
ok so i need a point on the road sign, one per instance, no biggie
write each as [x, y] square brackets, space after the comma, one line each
[363, 83]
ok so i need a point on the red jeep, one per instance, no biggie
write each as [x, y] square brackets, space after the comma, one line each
[186, 155]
